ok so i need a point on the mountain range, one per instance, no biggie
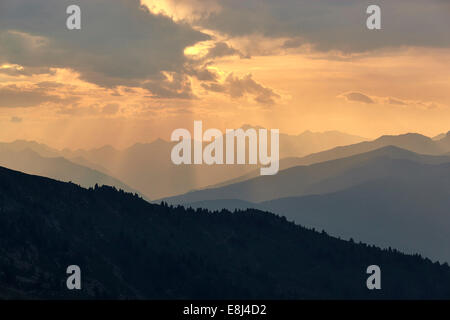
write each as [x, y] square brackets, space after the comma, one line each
[309, 190]
[317, 178]
[142, 164]
[388, 197]
[147, 167]
[56, 167]
[128, 248]
[414, 142]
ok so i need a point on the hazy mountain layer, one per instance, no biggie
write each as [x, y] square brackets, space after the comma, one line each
[148, 166]
[57, 168]
[413, 142]
[325, 177]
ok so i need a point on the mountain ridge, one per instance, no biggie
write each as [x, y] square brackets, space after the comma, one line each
[295, 181]
[128, 248]
[414, 142]
[58, 168]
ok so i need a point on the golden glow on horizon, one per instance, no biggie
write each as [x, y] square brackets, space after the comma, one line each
[310, 87]
[408, 91]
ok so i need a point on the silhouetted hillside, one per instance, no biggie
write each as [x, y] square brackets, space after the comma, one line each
[408, 213]
[354, 197]
[129, 248]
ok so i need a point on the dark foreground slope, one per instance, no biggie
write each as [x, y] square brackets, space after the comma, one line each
[128, 248]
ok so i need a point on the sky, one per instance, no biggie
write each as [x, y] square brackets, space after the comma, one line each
[137, 70]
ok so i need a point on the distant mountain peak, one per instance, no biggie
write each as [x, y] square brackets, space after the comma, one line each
[106, 147]
[249, 126]
[159, 141]
[406, 137]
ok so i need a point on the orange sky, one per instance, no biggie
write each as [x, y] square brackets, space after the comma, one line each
[383, 91]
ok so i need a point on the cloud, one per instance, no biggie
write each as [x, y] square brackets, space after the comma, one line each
[202, 73]
[205, 54]
[354, 96]
[49, 85]
[111, 109]
[16, 70]
[120, 42]
[186, 10]
[293, 43]
[424, 105]
[396, 101]
[12, 96]
[237, 87]
[173, 85]
[357, 97]
[331, 24]
[93, 110]
[15, 119]
[76, 110]
[222, 49]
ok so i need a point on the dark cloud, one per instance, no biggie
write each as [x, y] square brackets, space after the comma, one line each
[13, 96]
[358, 97]
[175, 85]
[396, 101]
[221, 49]
[15, 71]
[120, 42]
[237, 87]
[45, 85]
[336, 25]
[364, 98]
[15, 119]
[293, 43]
[198, 68]
[201, 72]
